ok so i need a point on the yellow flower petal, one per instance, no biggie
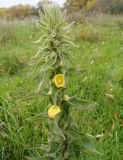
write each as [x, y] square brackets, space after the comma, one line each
[59, 80]
[53, 111]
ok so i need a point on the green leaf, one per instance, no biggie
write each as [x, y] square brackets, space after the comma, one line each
[55, 95]
[82, 139]
[69, 26]
[54, 147]
[44, 82]
[57, 129]
[80, 104]
[36, 158]
[72, 156]
[28, 96]
[59, 157]
[45, 91]
[70, 59]
[43, 115]
[48, 64]
[40, 39]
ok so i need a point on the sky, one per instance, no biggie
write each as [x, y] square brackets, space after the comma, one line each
[9, 3]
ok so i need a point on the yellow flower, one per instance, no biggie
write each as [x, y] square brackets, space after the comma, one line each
[53, 111]
[59, 80]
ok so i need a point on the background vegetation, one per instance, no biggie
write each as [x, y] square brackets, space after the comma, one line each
[100, 52]
[72, 6]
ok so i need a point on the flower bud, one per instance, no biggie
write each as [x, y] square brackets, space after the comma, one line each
[66, 97]
[49, 93]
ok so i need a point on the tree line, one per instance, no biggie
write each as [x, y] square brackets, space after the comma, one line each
[106, 6]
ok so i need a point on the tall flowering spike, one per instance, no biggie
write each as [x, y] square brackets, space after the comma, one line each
[50, 65]
[54, 52]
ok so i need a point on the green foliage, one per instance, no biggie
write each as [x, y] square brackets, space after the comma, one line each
[117, 7]
[76, 4]
[113, 7]
[80, 104]
[27, 135]
[18, 11]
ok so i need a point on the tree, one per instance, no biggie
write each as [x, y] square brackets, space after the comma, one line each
[117, 7]
[18, 11]
[76, 9]
[78, 4]
[109, 6]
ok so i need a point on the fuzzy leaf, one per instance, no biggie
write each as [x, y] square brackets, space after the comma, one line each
[43, 115]
[58, 130]
[48, 64]
[36, 158]
[59, 157]
[44, 79]
[81, 139]
[80, 104]
[45, 91]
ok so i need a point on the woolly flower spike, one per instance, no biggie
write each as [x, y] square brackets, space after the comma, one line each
[53, 111]
[59, 80]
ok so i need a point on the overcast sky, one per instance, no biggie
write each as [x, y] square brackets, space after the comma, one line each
[8, 3]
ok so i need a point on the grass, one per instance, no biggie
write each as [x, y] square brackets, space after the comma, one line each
[100, 51]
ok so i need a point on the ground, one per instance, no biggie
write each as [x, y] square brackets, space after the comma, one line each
[99, 53]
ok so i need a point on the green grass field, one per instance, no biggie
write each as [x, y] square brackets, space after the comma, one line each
[100, 52]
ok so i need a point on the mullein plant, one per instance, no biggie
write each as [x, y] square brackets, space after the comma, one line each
[51, 66]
